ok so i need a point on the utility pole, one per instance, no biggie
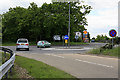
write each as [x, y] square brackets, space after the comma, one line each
[69, 27]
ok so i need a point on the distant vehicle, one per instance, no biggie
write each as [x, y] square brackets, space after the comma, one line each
[43, 43]
[92, 40]
[22, 44]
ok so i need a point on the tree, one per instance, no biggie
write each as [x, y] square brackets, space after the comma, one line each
[102, 38]
[36, 23]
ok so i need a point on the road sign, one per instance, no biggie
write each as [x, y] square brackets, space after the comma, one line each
[56, 37]
[78, 34]
[112, 33]
[66, 41]
[66, 37]
[85, 32]
[76, 37]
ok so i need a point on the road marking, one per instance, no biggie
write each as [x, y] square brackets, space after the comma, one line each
[55, 55]
[94, 63]
[61, 49]
[47, 54]
[47, 48]
[70, 49]
[99, 57]
[58, 56]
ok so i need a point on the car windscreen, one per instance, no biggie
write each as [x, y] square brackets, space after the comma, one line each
[22, 41]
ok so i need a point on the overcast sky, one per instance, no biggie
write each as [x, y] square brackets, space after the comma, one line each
[103, 17]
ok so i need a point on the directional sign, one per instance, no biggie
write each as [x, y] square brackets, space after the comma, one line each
[112, 33]
[66, 37]
[56, 37]
[85, 32]
[66, 41]
[76, 37]
[78, 34]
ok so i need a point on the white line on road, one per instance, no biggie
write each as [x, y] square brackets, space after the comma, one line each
[70, 49]
[55, 55]
[58, 56]
[62, 49]
[94, 63]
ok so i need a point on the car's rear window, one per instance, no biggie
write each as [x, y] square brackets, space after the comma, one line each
[22, 41]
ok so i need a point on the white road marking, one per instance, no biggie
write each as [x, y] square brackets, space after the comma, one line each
[69, 49]
[47, 48]
[55, 55]
[58, 56]
[60, 49]
[82, 61]
[94, 63]
[47, 54]
[99, 57]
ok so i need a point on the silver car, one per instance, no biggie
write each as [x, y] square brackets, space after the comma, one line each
[22, 44]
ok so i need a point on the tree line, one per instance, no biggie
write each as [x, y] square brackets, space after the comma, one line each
[42, 23]
[104, 38]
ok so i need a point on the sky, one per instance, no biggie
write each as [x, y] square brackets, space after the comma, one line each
[102, 18]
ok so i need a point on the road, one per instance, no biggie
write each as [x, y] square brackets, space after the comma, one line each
[78, 65]
[60, 49]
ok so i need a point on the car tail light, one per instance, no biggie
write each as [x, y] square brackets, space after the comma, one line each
[27, 44]
[17, 44]
[42, 42]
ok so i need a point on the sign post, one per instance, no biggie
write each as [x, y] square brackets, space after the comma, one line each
[112, 34]
[76, 37]
[69, 15]
[66, 39]
[69, 27]
[63, 39]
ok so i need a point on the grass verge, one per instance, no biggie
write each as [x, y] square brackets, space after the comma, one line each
[110, 52]
[3, 59]
[38, 69]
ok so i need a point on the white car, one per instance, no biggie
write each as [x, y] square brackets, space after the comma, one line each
[43, 43]
[22, 44]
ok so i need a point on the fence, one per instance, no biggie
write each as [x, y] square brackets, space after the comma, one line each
[4, 68]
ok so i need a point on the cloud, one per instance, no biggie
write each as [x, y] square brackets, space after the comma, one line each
[101, 4]
[6, 4]
[103, 17]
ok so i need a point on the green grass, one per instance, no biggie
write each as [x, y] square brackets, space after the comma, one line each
[13, 74]
[34, 43]
[9, 44]
[3, 58]
[0, 58]
[14, 43]
[38, 69]
[109, 52]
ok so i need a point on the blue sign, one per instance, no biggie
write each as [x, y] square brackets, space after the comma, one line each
[112, 33]
[66, 37]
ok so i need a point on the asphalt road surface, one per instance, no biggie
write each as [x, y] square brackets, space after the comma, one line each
[78, 65]
[60, 49]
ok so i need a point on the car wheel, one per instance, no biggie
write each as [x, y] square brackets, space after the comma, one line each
[17, 49]
[37, 46]
[27, 49]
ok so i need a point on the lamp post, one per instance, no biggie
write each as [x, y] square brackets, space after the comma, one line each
[69, 27]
